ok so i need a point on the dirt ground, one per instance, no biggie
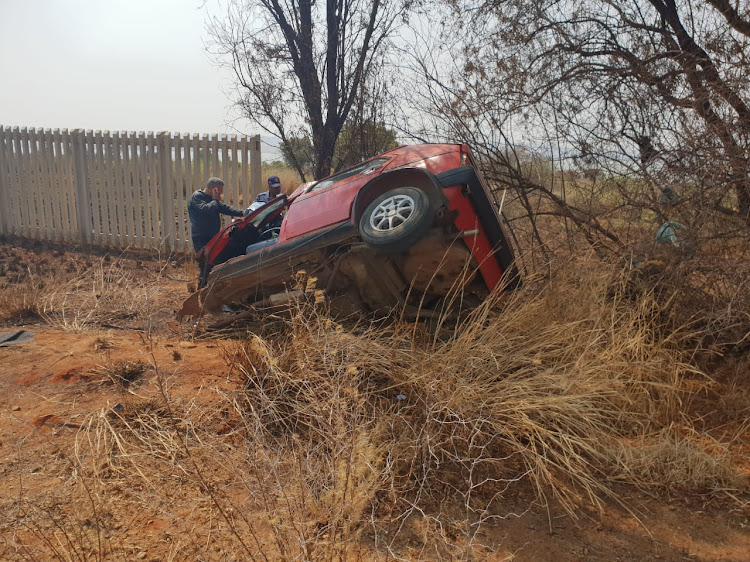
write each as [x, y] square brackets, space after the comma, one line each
[50, 385]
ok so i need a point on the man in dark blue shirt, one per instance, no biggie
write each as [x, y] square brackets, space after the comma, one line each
[274, 188]
[204, 210]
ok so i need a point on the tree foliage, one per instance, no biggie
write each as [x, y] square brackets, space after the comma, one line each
[298, 153]
[356, 143]
[359, 141]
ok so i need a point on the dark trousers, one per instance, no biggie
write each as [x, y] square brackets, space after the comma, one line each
[203, 275]
[205, 269]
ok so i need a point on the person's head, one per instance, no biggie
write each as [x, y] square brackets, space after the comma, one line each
[215, 188]
[274, 186]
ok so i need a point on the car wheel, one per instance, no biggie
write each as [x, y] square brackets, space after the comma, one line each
[396, 220]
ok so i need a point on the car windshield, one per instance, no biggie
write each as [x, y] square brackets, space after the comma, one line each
[270, 207]
[361, 169]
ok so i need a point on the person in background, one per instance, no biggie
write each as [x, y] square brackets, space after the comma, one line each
[204, 210]
[274, 188]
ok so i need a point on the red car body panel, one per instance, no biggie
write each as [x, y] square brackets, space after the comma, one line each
[478, 244]
[315, 208]
[318, 209]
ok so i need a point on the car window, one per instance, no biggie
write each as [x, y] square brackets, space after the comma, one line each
[361, 169]
[269, 208]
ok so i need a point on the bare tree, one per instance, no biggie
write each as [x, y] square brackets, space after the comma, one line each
[300, 65]
[660, 76]
[597, 111]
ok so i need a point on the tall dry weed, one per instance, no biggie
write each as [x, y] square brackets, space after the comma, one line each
[107, 292]
[677, 459]
[20, 294]
[19, 305]
[340, 441]
[551, 387]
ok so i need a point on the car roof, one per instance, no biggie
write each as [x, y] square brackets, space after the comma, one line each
[399, 156]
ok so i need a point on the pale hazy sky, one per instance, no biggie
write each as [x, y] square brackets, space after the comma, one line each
[111, 65]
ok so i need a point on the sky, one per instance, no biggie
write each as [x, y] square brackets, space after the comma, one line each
[136, 65]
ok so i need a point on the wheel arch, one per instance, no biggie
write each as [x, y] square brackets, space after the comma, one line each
[403, 177]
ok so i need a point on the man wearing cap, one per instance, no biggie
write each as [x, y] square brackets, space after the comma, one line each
[274, 188]
[204, 209]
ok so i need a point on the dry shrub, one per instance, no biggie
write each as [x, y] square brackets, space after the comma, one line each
[134, 437]
[133, 445]
[76, 296]
[677, 460]
[121, 373]
[19, 296]
[553, 381]
[338, 440]
[45, 532]
[19, 304]
[548, 389]
[709, 291]
[320, 448]
[102, 343]
[715, 291]
[103, 293]
[734, 400]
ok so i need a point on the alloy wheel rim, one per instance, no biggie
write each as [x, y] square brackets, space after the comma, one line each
[392, 213]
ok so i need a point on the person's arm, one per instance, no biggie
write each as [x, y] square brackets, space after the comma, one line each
[225, 209]
[205, 207]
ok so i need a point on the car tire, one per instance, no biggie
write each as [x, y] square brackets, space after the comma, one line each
[396, 220]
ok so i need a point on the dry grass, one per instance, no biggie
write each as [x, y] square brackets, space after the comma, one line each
[338, 440]
[19, 305]
[104, 292]
[121, 373]
[123, 435]
[290, 179]
[346, 443]
[20, 288]
[677, 460]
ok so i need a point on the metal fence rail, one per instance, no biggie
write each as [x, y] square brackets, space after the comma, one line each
[119, 189]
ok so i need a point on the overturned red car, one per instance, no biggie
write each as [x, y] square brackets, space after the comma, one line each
[404, 229]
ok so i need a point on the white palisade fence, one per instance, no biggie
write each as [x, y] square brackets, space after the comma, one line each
[117, 189]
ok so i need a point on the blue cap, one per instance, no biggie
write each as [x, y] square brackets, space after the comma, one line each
[274, 181]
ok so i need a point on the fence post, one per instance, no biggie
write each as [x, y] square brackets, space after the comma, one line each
[5, 227]
[256, 171]
[82, 199]
[166, 193]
